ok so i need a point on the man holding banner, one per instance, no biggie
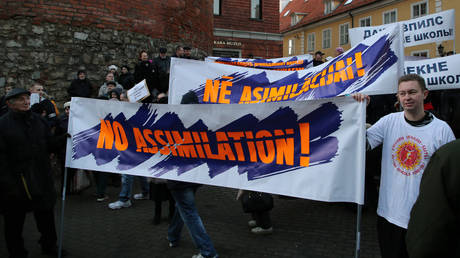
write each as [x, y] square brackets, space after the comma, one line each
[409, 139]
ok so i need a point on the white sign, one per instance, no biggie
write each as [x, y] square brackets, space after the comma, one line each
[439, 73]
[372, 67]
[139, 92]
[308, 149]
[426, 29]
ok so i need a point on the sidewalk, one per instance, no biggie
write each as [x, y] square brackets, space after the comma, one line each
[302, 228]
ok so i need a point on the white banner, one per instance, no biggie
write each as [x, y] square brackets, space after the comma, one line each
[426, 29]
[439, 73]
[307, 149]
[372, 67]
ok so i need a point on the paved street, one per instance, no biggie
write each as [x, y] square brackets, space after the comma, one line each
[303, 228]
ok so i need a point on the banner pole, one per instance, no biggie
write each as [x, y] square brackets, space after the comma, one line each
[358, 231]
[61, 221]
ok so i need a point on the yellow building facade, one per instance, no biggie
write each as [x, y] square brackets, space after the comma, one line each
[314, 36]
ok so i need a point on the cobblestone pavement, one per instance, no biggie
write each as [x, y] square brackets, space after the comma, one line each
[302, 228]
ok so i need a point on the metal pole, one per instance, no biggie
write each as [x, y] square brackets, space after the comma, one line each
[358, 231]
[61, 221]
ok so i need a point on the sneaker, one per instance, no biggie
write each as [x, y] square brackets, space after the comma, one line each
[119, 204]
[252, 223]
[261, 231]
[101, 198]
[201, 256]
[141, 196]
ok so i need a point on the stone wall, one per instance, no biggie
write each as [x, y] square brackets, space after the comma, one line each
[50, 42]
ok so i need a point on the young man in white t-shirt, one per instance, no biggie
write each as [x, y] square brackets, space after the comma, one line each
[409, 139]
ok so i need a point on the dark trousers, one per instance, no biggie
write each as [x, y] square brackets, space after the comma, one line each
[14, 224]
[262, 219]
[392, 239]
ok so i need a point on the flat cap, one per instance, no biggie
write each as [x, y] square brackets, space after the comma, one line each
[16, 92]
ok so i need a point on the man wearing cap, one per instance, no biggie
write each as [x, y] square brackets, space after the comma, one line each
[188, 52]
[161, 64]
[26, 182]
[318, 58]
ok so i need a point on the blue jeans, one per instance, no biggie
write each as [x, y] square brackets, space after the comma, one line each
[127, 186]
[186, 212]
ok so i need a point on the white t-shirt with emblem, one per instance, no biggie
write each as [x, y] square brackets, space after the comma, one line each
[405, 154]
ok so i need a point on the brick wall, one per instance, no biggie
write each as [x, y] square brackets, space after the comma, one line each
[188, 21]
[235, 14]
[48, 41]
[257, 48]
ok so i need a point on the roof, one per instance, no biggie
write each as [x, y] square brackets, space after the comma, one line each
[314, 10]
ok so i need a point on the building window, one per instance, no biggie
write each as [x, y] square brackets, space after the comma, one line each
[390, 17]
[421, 53]
[327, 6]
[256, 9]
[294, 19]
[419, 9]
[291, 47]
[344, 34]
[326, 38]
[217, 7]
[311, 42]
[365, 22]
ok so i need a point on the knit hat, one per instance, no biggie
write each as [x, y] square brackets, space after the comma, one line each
[67, 104]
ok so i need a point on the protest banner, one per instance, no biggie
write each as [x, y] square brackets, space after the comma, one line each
[372, 67]
[426, 29]
[308, 149]
[139, 92]
[291, 63]
[439, 73]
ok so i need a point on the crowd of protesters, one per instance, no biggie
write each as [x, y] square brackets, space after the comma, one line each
[26, 183]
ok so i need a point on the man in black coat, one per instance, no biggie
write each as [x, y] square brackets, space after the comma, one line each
[80, 87]
[162, 64]
[145, 70]
[126, 79]
[26, 182]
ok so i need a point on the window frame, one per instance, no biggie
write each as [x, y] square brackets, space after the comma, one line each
[323, 38]
[260, 10]
[388, 12]
[327, 3]
[364, 19]
[419, 3]
[291, 46]
[220, 7]
[313, 42]
[347, 34]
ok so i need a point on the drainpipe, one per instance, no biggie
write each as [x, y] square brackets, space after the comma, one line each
[352, 20]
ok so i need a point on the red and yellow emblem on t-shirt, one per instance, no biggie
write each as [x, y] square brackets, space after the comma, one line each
[408, 155]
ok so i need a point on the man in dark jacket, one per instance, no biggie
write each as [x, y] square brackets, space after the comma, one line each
[162, 64]
[126, 79]
[26, 182]
[145, 70]
[434, 225]
[80, 87]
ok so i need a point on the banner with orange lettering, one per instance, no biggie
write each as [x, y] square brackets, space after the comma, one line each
[291, 63]
[308, 149]
[372, 67]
